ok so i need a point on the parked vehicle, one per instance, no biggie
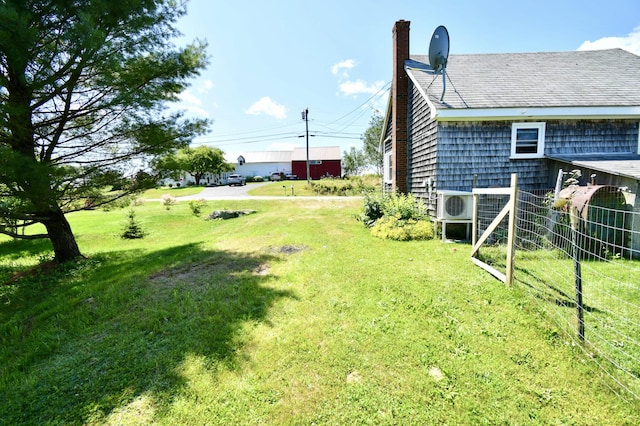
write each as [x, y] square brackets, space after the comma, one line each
[276, 176]
[237, 180]
[289, 176]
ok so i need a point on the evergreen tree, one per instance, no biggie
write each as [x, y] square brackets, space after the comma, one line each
[84, 87]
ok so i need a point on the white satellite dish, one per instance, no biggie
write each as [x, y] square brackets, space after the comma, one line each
[439, 54]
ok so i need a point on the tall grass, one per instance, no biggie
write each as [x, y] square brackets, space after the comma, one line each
[292, 315]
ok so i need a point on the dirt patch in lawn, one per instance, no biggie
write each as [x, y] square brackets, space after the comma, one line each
[287, 249]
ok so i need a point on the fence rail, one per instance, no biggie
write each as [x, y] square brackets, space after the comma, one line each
[581, 270]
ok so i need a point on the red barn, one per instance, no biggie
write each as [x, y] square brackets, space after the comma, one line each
[324, 161]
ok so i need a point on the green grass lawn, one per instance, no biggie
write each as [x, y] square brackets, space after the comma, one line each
[292, 315]
[283, 188]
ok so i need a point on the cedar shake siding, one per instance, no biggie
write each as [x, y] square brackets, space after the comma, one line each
[422, 152]
[466, 149]
[483, 148]
[591, 136]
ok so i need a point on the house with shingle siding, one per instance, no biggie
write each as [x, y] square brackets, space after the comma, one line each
[525, 113]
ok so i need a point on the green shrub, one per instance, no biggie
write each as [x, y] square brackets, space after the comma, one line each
[400, 206]
[404, 206]
[396, 217]
[372, 209]
[196, 206]
[392, 228]
[422, 230]
[366, 183]
[339, 187]
[168, 200]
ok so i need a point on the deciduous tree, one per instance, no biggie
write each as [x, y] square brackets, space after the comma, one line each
[196, 161]
[84, 87]
[371, 143]
[353, 161]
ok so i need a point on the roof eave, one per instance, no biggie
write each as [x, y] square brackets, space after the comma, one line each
[537, 113]
[423, 92]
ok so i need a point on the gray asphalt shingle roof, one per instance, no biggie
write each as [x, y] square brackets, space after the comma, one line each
[598, 78]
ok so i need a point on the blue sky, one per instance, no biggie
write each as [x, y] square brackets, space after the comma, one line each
[270, 60]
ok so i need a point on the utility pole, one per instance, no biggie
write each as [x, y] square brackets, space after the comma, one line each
[305, 117]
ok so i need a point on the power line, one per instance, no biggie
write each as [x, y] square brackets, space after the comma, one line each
[376, 95]
[249, 140]
[246, 137]
[291, 124]
[278, 137]
[250, 137]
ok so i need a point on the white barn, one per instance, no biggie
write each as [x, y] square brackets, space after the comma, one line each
[260, 163]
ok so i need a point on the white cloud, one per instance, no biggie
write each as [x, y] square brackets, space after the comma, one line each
[341, 68]
[192, 103]
[197, 111]
[631, 42]
[189, 98]
[206, 86]
[351, 88]
[268, 107]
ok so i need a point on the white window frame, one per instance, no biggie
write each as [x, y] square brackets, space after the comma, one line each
[387, 162]
[540, 127]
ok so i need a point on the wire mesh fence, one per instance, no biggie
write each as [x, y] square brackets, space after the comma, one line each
[582, 269]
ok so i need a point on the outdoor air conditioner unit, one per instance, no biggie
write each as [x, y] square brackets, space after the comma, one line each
[454, 205]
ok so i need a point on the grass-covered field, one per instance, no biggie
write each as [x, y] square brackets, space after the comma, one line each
[292, 315]
[282, 188]
[350, 186]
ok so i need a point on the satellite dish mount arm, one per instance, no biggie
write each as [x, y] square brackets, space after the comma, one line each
[439, 55]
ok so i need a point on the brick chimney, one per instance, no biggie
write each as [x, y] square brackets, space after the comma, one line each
[399, 106]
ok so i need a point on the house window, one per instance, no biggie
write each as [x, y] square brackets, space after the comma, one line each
[527, 140]
[387, 168]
